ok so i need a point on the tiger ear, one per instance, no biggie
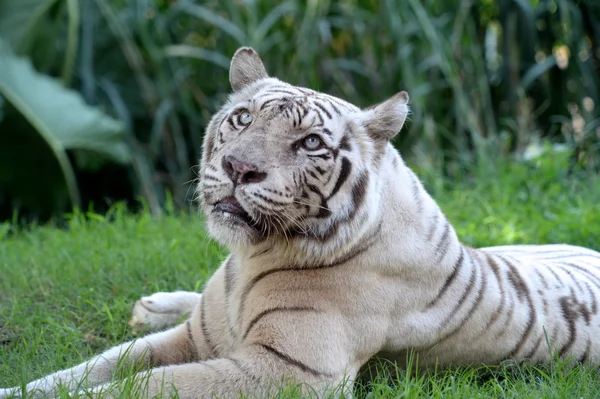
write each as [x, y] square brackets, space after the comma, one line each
[246, 68]
[383, 121]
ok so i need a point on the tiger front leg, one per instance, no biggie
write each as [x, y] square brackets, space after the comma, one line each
[168, 347]
[257, 372]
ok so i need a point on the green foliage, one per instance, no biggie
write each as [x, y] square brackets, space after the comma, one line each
[66, 295]
[43, 102]
[479, 72]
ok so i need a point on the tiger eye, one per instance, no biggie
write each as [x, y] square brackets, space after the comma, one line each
[312, 142]
[245, 118]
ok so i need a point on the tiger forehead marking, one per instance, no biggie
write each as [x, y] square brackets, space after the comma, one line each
[303, 108]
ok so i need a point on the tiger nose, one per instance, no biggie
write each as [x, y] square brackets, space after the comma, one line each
[241, 172]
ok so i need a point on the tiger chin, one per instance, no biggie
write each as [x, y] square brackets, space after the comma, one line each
[338, 254]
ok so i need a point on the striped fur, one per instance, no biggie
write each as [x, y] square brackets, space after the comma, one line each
[339, 254]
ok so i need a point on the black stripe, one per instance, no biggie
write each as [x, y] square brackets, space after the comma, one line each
[445, 241]
[294, 362]
[345, 144]
[325, 156]
[417, 192]
[191, 343]
[534, 348]
[274, 310]
[345, 170]
[299, 115]
[464, 295]
[359, 191]
[474, 306]
[582, 262]
[457, 265]
[312, 174]
[339, 262]
[269, 200]
[509, 314]
[551, 270]
[283, 91]
[545, 302]
[442, 240]
[576, 255]
[152, 359]
[542, 278]
[231, 123]
[277, 192]
[340, 103]
[575, 280]
[211, 346]
[228, 282]
[261, 252]
[522, 290]
[266, 103]
[211, 187]
[320, 116]
[228, 278]
[322, 108]
[593, 278]
[327, 131]
[593, 296]
[332, 105]
[211, 178]
[305, 91]
[323, 210]
[586, 353]
[240, 367]
[514, 278]
[496, 270]
[320, 170]
[434, 224]
[261, 207]
[569, 315]
[496, 314]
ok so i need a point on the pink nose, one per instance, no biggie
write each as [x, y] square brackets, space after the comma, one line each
[241, 172]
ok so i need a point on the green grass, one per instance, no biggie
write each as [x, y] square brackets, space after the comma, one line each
[66, 294]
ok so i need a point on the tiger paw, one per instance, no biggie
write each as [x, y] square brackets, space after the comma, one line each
[162, 309]
[10, 393]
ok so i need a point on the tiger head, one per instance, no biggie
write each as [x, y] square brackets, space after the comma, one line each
[287, 163]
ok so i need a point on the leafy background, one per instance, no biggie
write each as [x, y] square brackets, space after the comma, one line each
[107, 100]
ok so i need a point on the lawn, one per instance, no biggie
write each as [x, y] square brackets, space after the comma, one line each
[66, 294]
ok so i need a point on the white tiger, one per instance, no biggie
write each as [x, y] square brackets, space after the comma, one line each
[338, 254]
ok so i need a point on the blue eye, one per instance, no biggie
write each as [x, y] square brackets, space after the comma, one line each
[312, 142]
[245, 117]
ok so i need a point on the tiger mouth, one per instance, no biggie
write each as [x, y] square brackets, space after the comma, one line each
[232, 207]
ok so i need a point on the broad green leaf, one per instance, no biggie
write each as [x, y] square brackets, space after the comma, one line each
[19, 17]
[59, 115]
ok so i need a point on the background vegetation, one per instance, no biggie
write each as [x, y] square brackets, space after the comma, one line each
[107, 100]
[66, 294]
